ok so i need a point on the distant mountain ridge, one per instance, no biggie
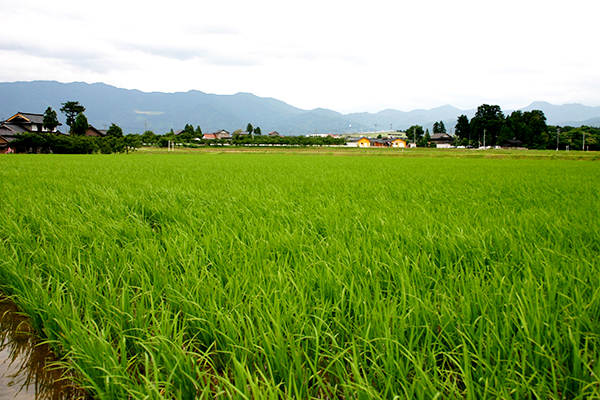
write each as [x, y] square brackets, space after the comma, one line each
[136, 111]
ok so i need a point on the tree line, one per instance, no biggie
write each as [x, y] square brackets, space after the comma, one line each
[528, 129]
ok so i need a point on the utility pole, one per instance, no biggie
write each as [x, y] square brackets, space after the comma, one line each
[484, 132]
[557, 135]
[583, 145]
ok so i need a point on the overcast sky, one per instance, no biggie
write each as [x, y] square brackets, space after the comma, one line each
[343, 55]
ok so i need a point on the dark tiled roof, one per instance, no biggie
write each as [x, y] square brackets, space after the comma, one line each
[441, 136]
[8, 138]
[33, 118]
[8, 127]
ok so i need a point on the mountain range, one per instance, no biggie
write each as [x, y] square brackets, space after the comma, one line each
[137, 111]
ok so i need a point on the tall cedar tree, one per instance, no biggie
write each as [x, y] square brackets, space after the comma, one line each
[50, 119]
[438, 127]
[462, 129]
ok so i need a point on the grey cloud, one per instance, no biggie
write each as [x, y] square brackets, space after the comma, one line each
[85, 58]
[186, 53]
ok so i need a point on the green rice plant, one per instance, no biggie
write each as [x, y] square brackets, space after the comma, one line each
[306, 276]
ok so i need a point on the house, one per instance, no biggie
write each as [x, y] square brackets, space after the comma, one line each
[363, 142]
[398, 143]
[222, 134]
[21, 123]
[91, 131]
[274, 134]
[26, 122]
[442, 140]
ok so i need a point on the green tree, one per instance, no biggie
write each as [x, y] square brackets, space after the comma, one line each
[505, 134]
[162, 141]
[515, 127]
[71, 109]
[424, 142]
[187, 134]
[537, 129]
[257, 131]
[132, 142]
[114, 131]
[249, 129]
[414, 133]
[487, 123]
[462, 129]
[529, 127]
[50, 119]
[438, 127]
[148, 137]
[198, 132]
[80, 125]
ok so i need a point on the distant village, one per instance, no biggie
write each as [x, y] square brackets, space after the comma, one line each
[22, 125]
[26, 132]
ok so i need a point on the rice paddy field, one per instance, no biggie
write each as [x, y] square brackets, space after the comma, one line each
[301, 276]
